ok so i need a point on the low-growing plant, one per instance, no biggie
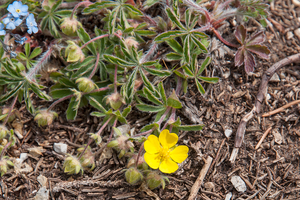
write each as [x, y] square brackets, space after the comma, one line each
[116, 68]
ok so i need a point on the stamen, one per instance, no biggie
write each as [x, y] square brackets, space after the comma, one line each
[18, 10]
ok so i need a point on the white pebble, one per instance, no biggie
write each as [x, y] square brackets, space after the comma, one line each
[228, 132]
[228, 196]
[238, 184]
[60, 148]
[297, 33]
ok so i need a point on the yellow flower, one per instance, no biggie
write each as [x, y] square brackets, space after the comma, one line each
[161, 152]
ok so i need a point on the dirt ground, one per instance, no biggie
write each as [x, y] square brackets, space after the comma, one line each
[270, 171]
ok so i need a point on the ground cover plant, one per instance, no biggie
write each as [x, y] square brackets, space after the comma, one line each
[115, 69]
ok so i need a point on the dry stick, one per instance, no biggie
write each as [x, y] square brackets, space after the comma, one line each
[263, 137]
[260, 96]
[200, 178]
[281, 108]
[217, 156]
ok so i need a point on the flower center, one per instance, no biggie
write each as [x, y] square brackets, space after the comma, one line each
[18, 10]
[31, 24]
[164, 154]
[12, 19]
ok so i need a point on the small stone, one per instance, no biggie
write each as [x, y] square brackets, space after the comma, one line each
[228, 196]
[277, 136]
[23, 156]
[209, 186]
[289, 35]
[226, 74]
[60, 148]
[238, 184]
[228, 132]
[275, 78]
[42, 194]
[229, 88]
[297, 33]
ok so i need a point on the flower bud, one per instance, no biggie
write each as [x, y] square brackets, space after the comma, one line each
[130, 41]
[154, 179]
[73, 52]
[115, 100]
[12, 116]
[85, 84]
[87, 160]
[4, 164]
[69, 26]
[96, 137]
[3, 132]
[133, 176]
[45, 117]
[141, 162]
[72, 165]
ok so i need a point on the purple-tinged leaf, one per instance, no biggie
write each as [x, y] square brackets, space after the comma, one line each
[249, 62]
[260, 50]
[256, 38]
[239, 57]
[240, 34]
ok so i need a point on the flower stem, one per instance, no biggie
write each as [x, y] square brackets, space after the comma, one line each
[223, 40]
[139, 155]
[4, 149]
[60, 100]
[95, 67]
[115, 79]
[164, 115]
[94, 39]
[86, 3]
[144, 133]
[91, 140]
[149, 53]
[11, 109]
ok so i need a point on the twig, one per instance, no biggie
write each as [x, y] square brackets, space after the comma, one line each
[217, 156]
[260, 96]
[263, 137]
[200, 178]
[280, 109]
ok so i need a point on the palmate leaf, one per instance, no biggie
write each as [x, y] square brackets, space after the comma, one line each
[12, 92]
[175, 46]
[174, 18]
[35, 88]
[151, 97]
[96, 104]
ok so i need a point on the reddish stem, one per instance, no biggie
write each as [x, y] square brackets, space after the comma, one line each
[11, 109]
[95, 67]
[115, 79]
[94, 39]
[86, 3]
[4, 149]
[139, 154]
[223, 40]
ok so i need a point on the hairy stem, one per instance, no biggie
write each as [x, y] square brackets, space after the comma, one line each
[139, 155]
[11, 109]
[149, 53]
[94, 39]
[95, 67]
[4, 149]
[223, 40]
[144, 133]
[91, 140]
[85, 3]
[164, 115]
[115, 79]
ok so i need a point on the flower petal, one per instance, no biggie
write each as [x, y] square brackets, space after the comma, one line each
[152, 145]
[10, 26]
[168, 140]
[152, 160]
[180, 153]
[35, 29]
[168, 166]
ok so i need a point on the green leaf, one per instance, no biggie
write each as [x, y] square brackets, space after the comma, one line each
[145, 32]
[36, 51]
[157, 72]
[78, 65]
[98, 6]
[199, 86]
[199, 44]
[162, 92]
[56, 5]
[149, 108]
[27, 49]
[168, 36]
[97, 114]
[151, 97]
[175, 46]
[187, 71]
[126, 111]
[97, 104]
[204, 65]
[28, 102]
[67, 82]
[60, 93]
[190, 127]
[11, 93]
[133, 10]
[71, 112]
[173, 56]
[129, 87]
[173, 101]
[186, 50]
[35, 88]
[118, 61]
[84, 36]
[174, 18]
[209, 79]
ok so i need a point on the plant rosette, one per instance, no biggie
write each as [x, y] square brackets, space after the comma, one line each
[162, 152]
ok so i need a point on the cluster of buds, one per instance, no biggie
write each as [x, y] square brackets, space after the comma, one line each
[85, 84]
[72, 165]
[122, 143]
[87, 160]
[3, 132]
[73, 52]
[133, 176]
[45, 117]
[4, 165]
[154, 179]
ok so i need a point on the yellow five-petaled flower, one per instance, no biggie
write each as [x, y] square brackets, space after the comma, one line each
[163, 154]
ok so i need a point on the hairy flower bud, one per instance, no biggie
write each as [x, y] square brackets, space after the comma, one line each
[85, 84]
[14, 113]
[72, 165]
[96, 137]
[130, 41]
[154, 179]
[45, 117]
[69, 26]
[87, 160]
[133, 176]
[4, 164]
[115, 100]
[73, 52]
[3, 132]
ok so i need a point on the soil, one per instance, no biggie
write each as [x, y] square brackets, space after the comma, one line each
[270, 171]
